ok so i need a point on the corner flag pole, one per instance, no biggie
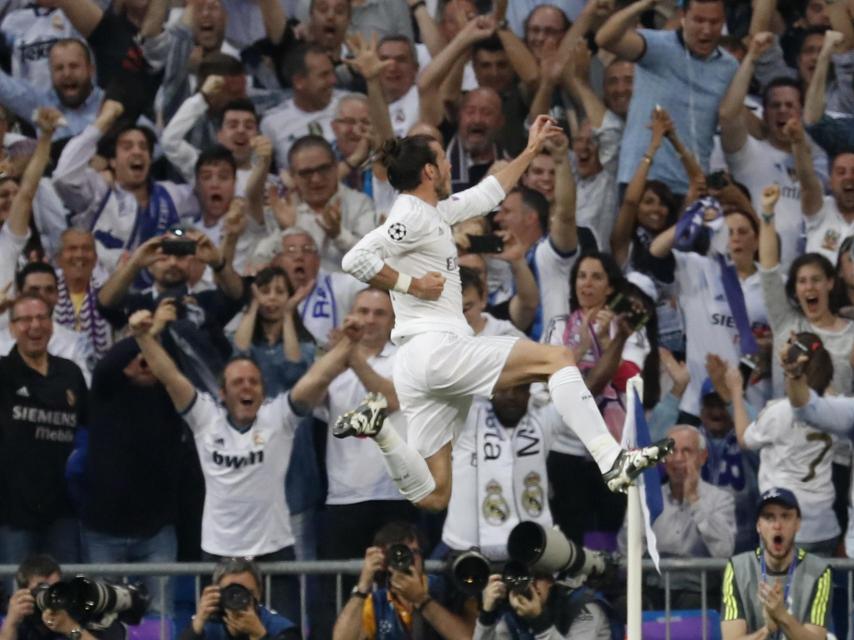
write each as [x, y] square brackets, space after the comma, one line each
[634, 546]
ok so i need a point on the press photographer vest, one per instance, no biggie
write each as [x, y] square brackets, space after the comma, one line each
[808, 592]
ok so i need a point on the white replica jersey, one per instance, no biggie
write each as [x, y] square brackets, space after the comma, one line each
[794, 455]
[416, 239]
[285, 124]
[245, 512]
[355, 466]
[32, 31]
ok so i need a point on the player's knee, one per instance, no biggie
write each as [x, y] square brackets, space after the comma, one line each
[560, 357]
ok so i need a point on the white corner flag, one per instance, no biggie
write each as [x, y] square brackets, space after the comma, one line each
[636, 434]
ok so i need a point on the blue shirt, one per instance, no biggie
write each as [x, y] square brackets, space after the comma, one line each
[690, 89]
[275, 624]
[23, 99]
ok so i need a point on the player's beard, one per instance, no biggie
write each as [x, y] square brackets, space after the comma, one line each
[443, 190]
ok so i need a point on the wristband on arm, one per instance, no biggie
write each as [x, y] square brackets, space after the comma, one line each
[403, 283]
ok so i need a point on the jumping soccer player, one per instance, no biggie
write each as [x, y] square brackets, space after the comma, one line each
[440, 364]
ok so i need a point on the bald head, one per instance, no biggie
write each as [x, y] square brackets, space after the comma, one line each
[481, 118]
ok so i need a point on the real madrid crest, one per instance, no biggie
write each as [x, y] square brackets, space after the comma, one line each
[495, 508]
[533, 497]
[72, 399]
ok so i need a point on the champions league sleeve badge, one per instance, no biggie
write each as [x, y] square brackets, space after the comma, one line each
[397, 231]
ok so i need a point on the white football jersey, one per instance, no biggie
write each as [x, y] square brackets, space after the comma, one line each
[285, 124]
[798, 457]
[245, 512]
[416, 239]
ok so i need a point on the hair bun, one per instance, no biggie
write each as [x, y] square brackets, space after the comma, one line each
[391, 147]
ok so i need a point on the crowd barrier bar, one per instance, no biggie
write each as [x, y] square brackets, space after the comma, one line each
[340, 568]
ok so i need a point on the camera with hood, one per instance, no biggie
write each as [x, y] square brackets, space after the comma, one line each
[533, 550]
[94, 604]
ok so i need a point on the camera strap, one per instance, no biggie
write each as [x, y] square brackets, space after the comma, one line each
[735, 300]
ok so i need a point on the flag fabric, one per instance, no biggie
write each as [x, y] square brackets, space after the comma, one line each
[636, 434]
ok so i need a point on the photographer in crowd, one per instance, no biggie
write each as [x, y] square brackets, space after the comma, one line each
[231, 607]
[394, 599]
[544, 608]
[22, 622]
[35, 577]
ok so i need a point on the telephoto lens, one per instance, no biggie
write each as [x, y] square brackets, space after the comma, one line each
[471, 572]
[235, 597]
[90, 601]
[400, 558]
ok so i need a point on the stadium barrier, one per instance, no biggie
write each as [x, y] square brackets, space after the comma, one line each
[340, 568]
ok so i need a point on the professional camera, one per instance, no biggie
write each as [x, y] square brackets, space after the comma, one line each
[470, 571]
[400, 557]
[517, 578]
[233, 597]
[93, 603]
[548, 551]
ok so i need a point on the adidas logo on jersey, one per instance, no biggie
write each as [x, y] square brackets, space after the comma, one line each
[23, 392]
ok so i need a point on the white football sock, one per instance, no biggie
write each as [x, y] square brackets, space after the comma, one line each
[408, 470]
[578, 409]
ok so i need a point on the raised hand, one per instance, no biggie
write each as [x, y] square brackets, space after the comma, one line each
[166, 312]
[552, 66]
[494, 592]
[213, 86]
[262, 147]
[299, 295]
[111, 111]
[793, 130]
[661, 125]
[48, 120]
[374, 561]
[235, 221]
[770, 195]
[833, 41]
[284, 208]
[206, 250]
[558, 146]
[543, 128]
[147, 253]
[478, 29]
[760, 43]
[513, 249]
[330, 219]
[207, 606]
[365, 59]
[140, 322]
[677, 371]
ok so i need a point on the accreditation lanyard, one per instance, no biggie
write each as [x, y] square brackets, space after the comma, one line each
[789, 575]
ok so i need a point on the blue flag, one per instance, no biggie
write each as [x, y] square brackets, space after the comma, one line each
[636, 434]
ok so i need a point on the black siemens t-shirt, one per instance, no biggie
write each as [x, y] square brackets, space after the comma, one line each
[39, 416]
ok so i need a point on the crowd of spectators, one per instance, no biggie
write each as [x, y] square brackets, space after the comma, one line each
[179, 180]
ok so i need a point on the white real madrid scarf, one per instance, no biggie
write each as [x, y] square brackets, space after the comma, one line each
[512, 485]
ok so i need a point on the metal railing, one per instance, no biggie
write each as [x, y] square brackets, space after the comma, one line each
[341, 568]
